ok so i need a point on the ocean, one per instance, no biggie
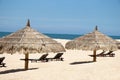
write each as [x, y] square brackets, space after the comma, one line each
[58, 36]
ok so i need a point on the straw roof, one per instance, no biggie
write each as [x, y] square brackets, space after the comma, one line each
[28, 40]
[92, 41]
[118, 44]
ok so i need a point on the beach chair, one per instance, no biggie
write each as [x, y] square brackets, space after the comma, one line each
[57, 57]
[1, 61]
[109, 54]
[100, 54]
[42, 58]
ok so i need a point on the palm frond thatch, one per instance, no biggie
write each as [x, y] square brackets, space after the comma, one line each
[94, 40]
[28, 39]
[118, 44]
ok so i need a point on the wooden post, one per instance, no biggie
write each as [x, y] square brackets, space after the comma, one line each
[94, 55]
[26, 61]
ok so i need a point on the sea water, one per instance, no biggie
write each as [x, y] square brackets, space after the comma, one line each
[58, 36]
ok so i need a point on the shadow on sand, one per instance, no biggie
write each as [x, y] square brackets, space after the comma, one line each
[15, 70]
[82, 62]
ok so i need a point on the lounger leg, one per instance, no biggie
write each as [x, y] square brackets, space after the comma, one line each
[62, 59]
[3, 64]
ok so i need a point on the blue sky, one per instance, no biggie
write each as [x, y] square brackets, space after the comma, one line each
[61, 16]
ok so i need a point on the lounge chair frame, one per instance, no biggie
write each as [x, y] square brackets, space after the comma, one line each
[42, 58]
[57, 57]
[1, 61]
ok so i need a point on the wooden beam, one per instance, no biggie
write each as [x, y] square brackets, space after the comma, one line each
[26, 61]
[94, 55]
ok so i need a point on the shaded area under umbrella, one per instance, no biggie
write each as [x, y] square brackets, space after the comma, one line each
[28, 40]
[93, 41]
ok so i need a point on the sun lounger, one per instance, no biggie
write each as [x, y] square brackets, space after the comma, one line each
[57, 57]
[109, 54]
[100, 54]
[1, 61]
[42, 58]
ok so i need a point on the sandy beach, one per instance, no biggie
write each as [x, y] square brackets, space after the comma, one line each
[77, 65]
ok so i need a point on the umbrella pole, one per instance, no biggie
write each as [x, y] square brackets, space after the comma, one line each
[94, 55]
[26, 61]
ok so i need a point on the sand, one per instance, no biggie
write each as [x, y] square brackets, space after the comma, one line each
[77, 65]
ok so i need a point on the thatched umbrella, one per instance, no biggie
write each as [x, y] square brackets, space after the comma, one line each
[92, 41]
[28, 40]
[118, 44]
